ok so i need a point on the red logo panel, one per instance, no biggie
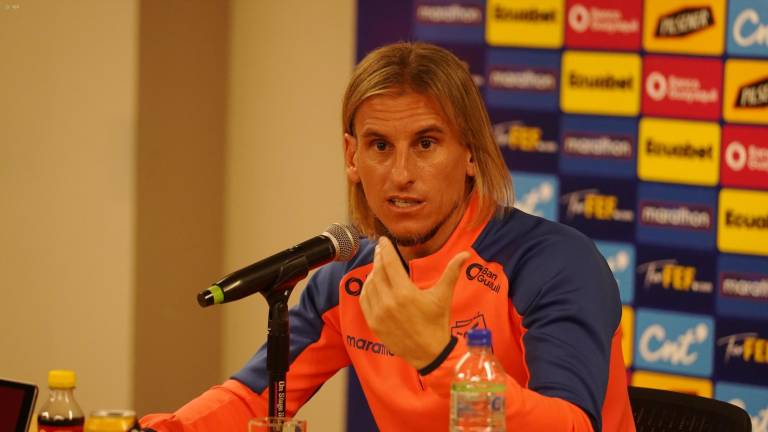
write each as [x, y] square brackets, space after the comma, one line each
[744, 157]
[682, 87]
[607, 24]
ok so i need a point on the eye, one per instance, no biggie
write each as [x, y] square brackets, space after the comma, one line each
[426, 143]
[380, 145]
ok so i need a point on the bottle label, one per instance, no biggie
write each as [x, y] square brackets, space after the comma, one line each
[47, 428]
[478, 408]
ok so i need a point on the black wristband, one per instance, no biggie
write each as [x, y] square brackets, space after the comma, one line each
[440, 358]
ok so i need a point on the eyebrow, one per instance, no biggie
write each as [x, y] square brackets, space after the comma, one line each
[372, 133]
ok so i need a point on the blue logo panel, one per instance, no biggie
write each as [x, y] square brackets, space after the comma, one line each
[474, 57]
[752, 399]
[748, 28]
[675, 279]
[449, 21]
[682, 216]
[674, 342]
[528, 141]
[598, 209]
[742, 351]
[536, 194]
[523, 79]
[742, 286]
[621, 260]
[600, 146]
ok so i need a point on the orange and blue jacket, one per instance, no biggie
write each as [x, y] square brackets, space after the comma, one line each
[543, 290]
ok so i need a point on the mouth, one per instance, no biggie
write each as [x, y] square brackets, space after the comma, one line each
[404, 202]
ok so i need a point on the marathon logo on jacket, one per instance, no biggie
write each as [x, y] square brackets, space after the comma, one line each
[747, 28]
[536, 194]
[745, 94]
[621, 259]
[525, 23]
[674, 342]
[369, 346]
[678, 151]
[742, 286]
[598, 209]
[681, 384]
[684, 26]
[682, 87]
[750, 398]
[675, 279]
[603, 24]
[681, 216]
[449, 20]
[602, 146]
[523, 79]
[353, 286]
[742, 351]
[600, 83]
[743, 222]
[745, 157]
[528, 141]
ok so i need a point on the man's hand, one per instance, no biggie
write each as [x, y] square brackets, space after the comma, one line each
[412, 323]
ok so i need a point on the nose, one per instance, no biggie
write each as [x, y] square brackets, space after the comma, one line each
[402, 168]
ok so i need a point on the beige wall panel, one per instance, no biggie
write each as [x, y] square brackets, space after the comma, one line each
[67, 116]
[183, 61]
[290, 61]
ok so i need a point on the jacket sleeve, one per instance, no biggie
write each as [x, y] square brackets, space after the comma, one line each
[317, 352]
[568, 300]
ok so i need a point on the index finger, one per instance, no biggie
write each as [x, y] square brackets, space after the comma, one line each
[391, 263]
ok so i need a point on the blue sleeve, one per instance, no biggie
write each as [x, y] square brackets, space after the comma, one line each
[569, 301]
[306, 326]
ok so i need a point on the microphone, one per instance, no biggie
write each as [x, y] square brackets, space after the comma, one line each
[338, 243]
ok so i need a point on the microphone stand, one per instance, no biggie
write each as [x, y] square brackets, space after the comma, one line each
[278, 336]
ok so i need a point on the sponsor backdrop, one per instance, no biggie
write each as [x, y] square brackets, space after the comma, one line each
[644, 124]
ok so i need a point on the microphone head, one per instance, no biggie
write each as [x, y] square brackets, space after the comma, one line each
[346, 240]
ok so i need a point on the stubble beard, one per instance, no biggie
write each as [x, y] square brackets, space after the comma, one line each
[415, 239]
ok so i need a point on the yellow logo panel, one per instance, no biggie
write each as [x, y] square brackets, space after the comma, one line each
[525, 23]
[681, 384]
[627, 333]
[600, 83]
[678, 151]
[742, 222]
[684, 26]
[745, 93]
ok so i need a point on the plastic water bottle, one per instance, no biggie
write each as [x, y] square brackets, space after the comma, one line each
[477, 391]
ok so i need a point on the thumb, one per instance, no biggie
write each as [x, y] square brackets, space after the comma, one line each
[450, 275]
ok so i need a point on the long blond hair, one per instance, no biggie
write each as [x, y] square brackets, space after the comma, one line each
[433, 71]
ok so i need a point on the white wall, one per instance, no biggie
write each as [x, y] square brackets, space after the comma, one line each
[67, 114]
[290, 61]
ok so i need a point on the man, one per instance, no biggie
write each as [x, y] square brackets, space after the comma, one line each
[428, 181]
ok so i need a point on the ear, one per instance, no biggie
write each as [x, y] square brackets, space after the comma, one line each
[470, 164]
[350, 158]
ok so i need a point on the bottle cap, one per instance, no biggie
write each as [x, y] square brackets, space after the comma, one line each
[61, 379]
[479, 337]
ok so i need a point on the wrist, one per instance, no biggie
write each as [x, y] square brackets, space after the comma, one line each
[440, 358]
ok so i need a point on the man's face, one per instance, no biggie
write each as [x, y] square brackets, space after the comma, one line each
[412, 166]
